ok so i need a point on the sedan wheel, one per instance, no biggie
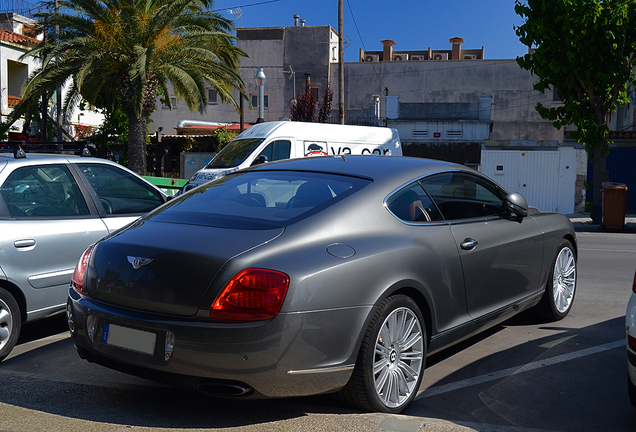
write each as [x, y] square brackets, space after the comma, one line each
[391, 360]
[10, 323]
[559, 296]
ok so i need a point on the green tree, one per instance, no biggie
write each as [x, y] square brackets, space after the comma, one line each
[585, 49]
[124, 52]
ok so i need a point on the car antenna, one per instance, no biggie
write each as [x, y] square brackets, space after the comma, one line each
[344, 157]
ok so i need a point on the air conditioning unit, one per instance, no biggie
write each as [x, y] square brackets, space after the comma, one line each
[418, 57]
[470, 57]
[372, 58]
[400, 57]
[440, 56]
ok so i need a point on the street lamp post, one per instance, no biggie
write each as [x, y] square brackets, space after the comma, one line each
[260, 82]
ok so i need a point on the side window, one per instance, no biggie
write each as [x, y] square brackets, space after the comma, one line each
[282, 150]
[43, 191]
[277, 150]
[267, 151]
[412, 204]
[119, 191]
[462, 195]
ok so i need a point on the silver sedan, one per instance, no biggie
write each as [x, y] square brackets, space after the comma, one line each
[321, 275]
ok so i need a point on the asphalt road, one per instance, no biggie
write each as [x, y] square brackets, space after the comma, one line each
[523, 375]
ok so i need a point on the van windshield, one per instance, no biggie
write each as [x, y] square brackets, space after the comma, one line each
[234, 153]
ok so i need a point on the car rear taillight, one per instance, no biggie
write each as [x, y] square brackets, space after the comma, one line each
[80, 270]
[631, 343]
[251, 295]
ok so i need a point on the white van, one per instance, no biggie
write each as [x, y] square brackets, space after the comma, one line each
[272, 141]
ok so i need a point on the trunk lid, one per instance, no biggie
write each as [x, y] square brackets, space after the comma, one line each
[176, 263]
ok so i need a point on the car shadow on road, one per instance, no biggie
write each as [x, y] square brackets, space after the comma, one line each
[573, 380]
[49, 377]
[582, 394]
[41, 329]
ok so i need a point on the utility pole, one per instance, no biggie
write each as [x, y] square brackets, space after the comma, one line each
[341, 99]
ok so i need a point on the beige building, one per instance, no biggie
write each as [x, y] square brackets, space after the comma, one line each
[452, 104]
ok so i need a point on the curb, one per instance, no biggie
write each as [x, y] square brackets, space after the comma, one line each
[583, 223]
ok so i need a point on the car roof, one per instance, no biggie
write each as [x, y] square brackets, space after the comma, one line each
[377, 168]
[45, 158]
[7, 159]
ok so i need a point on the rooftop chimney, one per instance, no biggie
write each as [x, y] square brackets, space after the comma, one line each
[387, 53]
[457, 48]
[296, 17]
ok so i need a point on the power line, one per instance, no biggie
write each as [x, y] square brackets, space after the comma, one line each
[355, 24]
[247, 5]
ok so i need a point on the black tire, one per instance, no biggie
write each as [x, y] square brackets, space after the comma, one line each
[631, 389]
[404, 359]
[561, 285]
[10, 323]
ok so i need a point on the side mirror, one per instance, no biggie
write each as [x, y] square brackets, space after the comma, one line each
[261, 159]
[517, 204]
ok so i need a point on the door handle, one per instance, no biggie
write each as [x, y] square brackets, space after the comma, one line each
[19, 244]
[468, 244]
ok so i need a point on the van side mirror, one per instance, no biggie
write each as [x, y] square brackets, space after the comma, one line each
[517, 204]
[261, 159]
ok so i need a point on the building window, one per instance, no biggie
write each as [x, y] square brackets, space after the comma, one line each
[212, 97]
[254, 99]
[173, 101]
[555, 95]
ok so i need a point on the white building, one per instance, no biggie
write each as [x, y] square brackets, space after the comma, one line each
[17, 37]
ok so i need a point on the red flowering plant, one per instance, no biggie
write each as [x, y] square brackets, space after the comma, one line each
[83, 132]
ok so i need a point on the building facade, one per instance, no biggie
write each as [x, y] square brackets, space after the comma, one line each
[17, 37]
[451, 104]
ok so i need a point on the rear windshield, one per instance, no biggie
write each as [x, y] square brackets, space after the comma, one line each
[259, 199]
[234, 153]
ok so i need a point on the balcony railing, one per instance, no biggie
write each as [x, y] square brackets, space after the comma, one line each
[19, 7]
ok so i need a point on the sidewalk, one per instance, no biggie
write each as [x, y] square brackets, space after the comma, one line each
[583, 223]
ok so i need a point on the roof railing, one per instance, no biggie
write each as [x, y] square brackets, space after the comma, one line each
[21, 148]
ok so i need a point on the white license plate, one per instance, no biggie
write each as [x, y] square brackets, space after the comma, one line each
[130, 339]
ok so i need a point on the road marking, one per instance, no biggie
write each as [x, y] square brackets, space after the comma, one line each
[554, 343]
[434, 391]
[606, 250]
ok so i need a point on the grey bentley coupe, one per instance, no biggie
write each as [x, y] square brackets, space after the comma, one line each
[318, 275]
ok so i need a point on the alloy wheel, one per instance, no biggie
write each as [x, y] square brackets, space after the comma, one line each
[6, 323]
[398, 357]
[564, 279]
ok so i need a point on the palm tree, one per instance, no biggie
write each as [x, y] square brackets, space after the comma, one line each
[125, 52]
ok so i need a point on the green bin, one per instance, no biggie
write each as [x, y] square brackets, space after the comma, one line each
[169, 185]
[614, 200]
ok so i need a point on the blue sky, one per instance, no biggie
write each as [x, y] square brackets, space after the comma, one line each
[413, 25]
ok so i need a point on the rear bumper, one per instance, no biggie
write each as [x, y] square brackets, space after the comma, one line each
[291, 355]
